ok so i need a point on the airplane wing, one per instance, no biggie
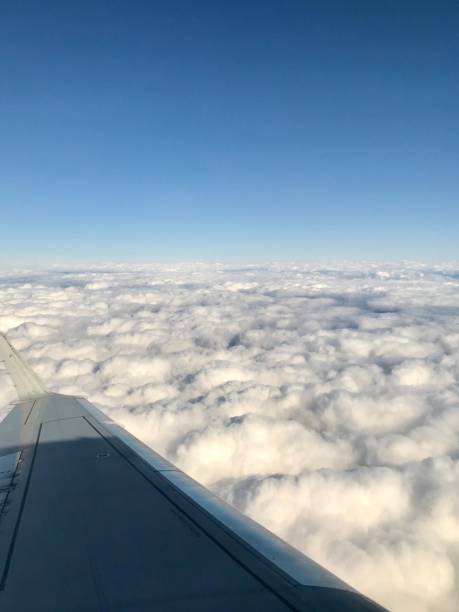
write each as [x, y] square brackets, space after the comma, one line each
[93, 520]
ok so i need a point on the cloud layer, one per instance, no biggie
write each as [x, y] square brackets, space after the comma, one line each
[321, 401]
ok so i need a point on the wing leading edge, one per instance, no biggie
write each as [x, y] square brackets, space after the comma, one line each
[91, 519]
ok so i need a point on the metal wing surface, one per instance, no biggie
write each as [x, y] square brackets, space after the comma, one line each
[93, 520]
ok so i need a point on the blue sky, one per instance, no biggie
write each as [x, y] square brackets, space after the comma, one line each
[219, 130]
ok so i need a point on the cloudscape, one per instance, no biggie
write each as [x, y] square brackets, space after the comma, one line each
[320, 400]
[174, 178]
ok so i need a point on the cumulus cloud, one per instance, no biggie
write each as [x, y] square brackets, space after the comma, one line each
[323, 401]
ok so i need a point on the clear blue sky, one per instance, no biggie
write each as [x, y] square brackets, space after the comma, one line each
[222, 130]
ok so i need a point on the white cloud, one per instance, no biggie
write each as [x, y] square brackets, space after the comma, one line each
[322, 401]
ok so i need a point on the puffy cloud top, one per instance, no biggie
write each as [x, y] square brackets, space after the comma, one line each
[323, 401]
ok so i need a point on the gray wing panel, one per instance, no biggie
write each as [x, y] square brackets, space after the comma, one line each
[14, 433]
[91, 524]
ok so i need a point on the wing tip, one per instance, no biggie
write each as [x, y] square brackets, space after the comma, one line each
[28, 384]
